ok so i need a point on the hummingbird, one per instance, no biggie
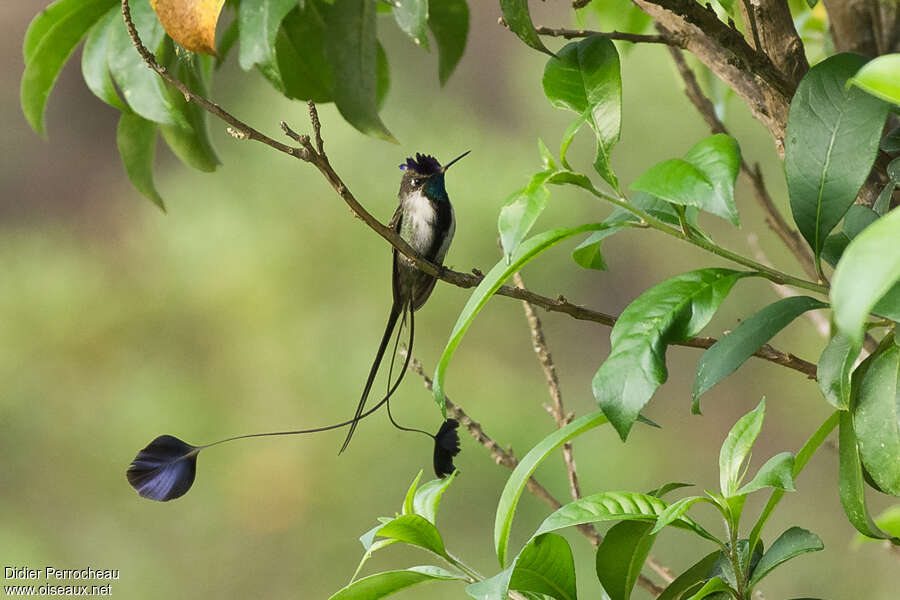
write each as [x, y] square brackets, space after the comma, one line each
[424, 219]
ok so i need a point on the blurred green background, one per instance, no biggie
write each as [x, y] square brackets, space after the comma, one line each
[257, 303]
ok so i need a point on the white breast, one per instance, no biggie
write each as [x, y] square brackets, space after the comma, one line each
[419, 217]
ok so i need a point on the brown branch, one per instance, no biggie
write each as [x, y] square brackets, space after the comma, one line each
[774, 220]
[308, 153]
[556, 409]
[506, 458]
[774, 34]
[636, 38]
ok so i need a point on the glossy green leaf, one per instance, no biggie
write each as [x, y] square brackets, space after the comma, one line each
[671, 311]
[876, 420]
[834, 370]
[428, 497]
[515, 485]
[736, 448]
[851, 482]
[545, 566]
[502, 271]
[384, 584]
[615, 506]
[678, 509]
[858, 218]
[136, 140]
[258, 25]
[703, 179]
[588, 253]
[790, 544]
[692, 577]
[94, 66]
[668, 487]
[300, 69]
[52, 37]
[891, 142]
[352, 49]
[547, 160]
[713, 586]
[869, 268]
[414, 530]
[143, 90]
[569, 136]
[883, 202]
[585, 78]
[881, 77]
[449, 22]
[725, 356]
[518, 19]
[889, 305]
[412, 18]
[621, 556]
[777, 472]
[192, 145]
[832, 140]
[410, 496]
[520, 212]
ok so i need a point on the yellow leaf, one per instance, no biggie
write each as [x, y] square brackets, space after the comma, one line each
[191, 23]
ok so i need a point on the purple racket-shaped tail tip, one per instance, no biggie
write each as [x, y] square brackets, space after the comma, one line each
[446, 446]
[164, 470]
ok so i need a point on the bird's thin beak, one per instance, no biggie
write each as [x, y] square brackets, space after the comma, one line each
[447, 166]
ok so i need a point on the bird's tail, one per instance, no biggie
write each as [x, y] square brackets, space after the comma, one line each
[396, 311]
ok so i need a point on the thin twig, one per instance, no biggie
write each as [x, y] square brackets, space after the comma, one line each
[774, 220]
[506, 458]
[751, 16]
[556, 409]
[308, 153]
[637, 38]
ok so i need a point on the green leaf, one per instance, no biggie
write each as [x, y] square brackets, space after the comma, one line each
[136, 139]
[384, 584]
[520, 212]
[834, 370]
[883, 202]
[621, 556]
[869, 268]
[615, 506]
[690, 578]
[192, 146]
[850, 482]
[893, 170]
[546, 566]
[428, 497]
[585, 78]
[547, 160]
[891, 142]
[502, 271]
[678, 509]
[515, 485]
[258, 25]
[143, 90]
[881, 77]
[711, 587]
[725, 356]
[518, 19]
[832, 140]
[669, 312]
[412, 18]
[776, 473]
[94, 66]
[703, 179]
[410, 496]
[449, 22]
[889, 305]
[416, 531]
[588, 254]
[300, 69]
[858, 218]
[352, 49]
[668, 487]
[792, 543]
[736, 448]
[876, 420]
[50, 40]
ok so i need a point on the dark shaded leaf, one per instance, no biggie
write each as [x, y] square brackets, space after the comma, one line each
[51, 39]
[449, 22]
[546, 566]
[668, 487]
[165, 469]
[876, 420]
[792, 543]
[725, 356]
[518, 19]
[690, 578]
[832, 140]
[671, 311]
[301, 69]
[384, 584]
[714, 585]
[94, 66]
[891, 142]
[352, 49]
[621, 555]
[192, 146]
[136, 139]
